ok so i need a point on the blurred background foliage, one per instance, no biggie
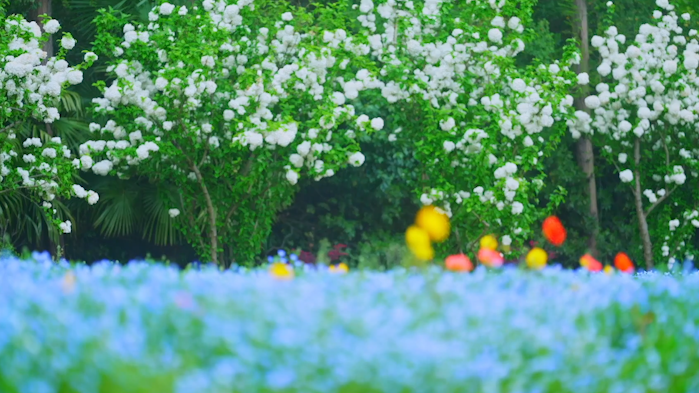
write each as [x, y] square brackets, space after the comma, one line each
[366, 208]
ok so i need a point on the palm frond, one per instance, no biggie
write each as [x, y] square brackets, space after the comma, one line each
[72, 130]
[11, 206]
[117, 211]
[159, 226]
[70, 101]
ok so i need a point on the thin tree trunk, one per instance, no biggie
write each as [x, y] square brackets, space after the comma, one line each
[642, 221]
[211, 212]
[585, 152]
[44, 8]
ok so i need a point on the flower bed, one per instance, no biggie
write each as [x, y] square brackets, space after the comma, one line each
[152, 328]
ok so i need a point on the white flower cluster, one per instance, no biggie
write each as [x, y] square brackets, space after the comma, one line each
[236, 92]
[489, 112]
[652, 89]
[30, 86]
[647, 106]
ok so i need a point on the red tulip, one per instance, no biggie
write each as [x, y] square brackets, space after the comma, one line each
[554, 231]
[458, 263]
[623, 263]
[590, 263]
[490, 258]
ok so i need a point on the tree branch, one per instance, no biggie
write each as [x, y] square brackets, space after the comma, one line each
[7, 128]
[659, 201]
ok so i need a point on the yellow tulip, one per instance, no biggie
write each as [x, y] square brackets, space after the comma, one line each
[537, 258]
[281, 271]
[339, 268]
[489, 242]
[416, 236]
[423, 252]
[68, 282]
[418, 241]
[435, 222]
[608, 270]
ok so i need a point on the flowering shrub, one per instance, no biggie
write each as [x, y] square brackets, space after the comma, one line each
[478, 124]
[30, 89]
[645, 117]
[154, 328]
[231, 102]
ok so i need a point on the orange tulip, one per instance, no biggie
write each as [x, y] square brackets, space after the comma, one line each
[590, 263]
[458, 263]
[490, 258]
[623, 263]
[554, 231]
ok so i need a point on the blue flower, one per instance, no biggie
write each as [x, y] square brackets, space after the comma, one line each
[281, 253]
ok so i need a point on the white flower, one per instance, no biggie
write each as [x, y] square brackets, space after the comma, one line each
[517, 207]
[66, 226]
[90, 56]
[626, 176]
[652, 198]
[622, 158]
[208, 61]
[604, 69]
[625, 126]
[377, 123]
[102, 168]
[506, 240]
[495, 35]
[448, 124]
[74, 77]
[670, 67]
[592, 102]
[292, 177]
[92, 197]
[356, 159]
[49, 152]
[511, 184]
[513, 23]
[173, 213]
[166, 8]
[362, 119]
[287, 16]
[597, 41]
[338, 98]
[449, 146]
[674, 224]
[644, 113]
[79, 191]
[52, 26]
[583, 78]
[296, 160]
[68, 43]
[519, 85]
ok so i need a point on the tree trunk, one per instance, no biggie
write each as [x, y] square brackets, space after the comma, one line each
[44, 7]
[211, 212]
[638, 196]
[585, 152]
